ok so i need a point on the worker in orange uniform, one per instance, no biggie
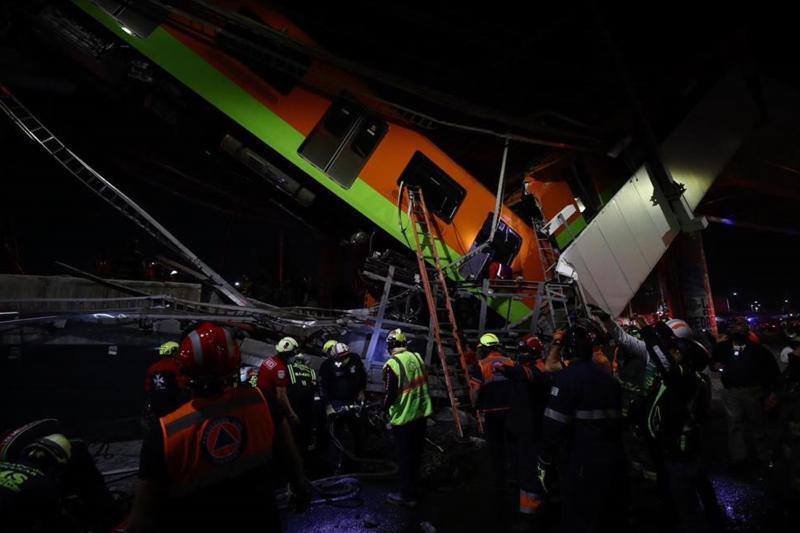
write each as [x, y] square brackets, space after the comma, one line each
[208, 466]
[492, 390]
[525, 422]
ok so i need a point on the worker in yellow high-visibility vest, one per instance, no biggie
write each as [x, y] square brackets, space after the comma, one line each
[408, 404]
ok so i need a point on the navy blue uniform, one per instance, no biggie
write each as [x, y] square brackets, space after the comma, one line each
[583, 425]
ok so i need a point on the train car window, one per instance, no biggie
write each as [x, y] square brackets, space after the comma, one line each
[443, 195]
[343, 141]
[504, 248]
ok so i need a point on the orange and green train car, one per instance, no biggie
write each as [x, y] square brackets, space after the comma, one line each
[347, 145]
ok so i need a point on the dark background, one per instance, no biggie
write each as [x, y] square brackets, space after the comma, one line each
[549, 65]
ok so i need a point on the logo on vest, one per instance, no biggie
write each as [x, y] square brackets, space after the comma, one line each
[223, 440]
[12, 480]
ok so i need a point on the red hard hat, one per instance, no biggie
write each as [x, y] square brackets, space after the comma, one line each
[531, 343]
[209, 351]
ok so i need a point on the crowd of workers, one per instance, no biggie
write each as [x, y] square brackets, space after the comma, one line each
[564, 422]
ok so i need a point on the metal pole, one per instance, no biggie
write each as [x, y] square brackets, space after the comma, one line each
[484, 298]
[499, 199]
[376, 329]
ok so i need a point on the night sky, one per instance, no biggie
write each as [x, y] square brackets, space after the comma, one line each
[523, 64]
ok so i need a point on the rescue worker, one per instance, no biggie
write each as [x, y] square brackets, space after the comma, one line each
[302, 391]
[64, 464]
[583, 424]
[343, 381]
[208, 465]
[789, 439]
[273, 376]
[525, 422]
[408, 405]
[640, 380]
[750, 375]
[674, 423]
[163, 385]
[30, 495]
[492, 390]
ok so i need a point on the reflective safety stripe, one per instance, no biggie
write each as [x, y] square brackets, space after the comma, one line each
[210, 411]
[415, 383]
[558, 417]
[597, 414]
[299, 371]
[220, 474]
[529, 502]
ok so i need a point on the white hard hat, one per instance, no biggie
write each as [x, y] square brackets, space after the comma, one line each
[680, 328]
[286, 345]
[340, 349]
[786, 353]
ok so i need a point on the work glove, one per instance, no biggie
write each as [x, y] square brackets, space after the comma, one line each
[329, 411]
[299, 497]
[545, 473]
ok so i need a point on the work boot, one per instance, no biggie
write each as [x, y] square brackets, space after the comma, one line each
[395, 498]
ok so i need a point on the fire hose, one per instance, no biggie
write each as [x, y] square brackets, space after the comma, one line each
[338, 488]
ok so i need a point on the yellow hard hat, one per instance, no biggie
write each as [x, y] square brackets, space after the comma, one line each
[56, 446]
[329, 344]
[169, 348]
[489, 339]
[396, 336]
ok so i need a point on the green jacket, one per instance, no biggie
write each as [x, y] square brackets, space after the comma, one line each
[413, 399]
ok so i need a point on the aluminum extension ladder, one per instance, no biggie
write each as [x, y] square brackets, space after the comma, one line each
[442, 318]
[38, 132]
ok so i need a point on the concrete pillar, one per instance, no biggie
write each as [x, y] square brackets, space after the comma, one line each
[690, 296]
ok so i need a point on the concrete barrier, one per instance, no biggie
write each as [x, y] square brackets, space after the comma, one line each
[23, 287]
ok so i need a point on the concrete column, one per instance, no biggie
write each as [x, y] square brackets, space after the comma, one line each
[690, 296]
